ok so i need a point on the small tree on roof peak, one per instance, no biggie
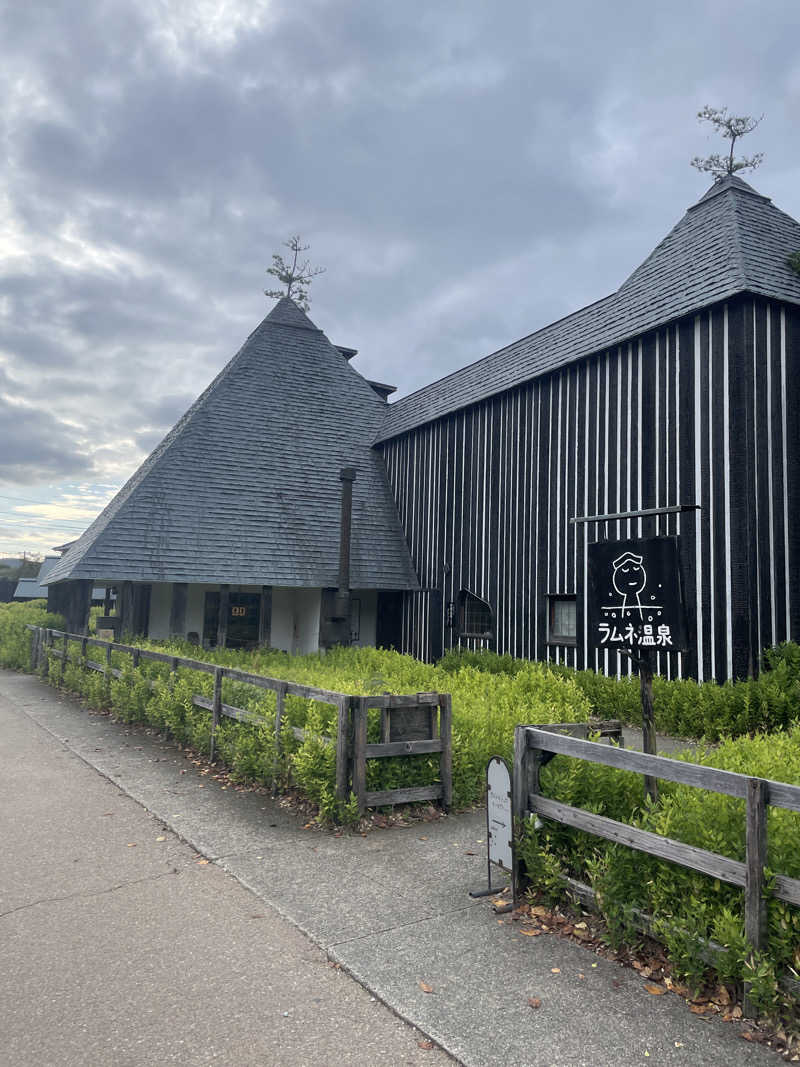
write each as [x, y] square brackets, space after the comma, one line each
[293, 275]
[732, 127]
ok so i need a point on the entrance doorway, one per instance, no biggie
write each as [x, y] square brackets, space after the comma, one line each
[242, 620]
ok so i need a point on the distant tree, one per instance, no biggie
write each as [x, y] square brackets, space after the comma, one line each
[294, 276]
[731, 127]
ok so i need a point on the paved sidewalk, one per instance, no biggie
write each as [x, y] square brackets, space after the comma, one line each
[391, 908]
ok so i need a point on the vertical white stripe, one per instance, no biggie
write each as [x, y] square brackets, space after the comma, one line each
[536, 567]
[712, 573]
[596, 474]
[785, 449]
[677, 356]
[574, 525]
[629, 446]
[639, 434]
[606, 467]
[726, 450]
[698, 489]
[657, 437]
[755, 461]
[549, 518]
[773, 591]
[618, 437]
[584, 531]
[558, 485]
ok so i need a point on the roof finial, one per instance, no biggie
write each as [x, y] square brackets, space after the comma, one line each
[733, 127]
[295, 276]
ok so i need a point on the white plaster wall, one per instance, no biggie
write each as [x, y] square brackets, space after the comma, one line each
[295, 619]
[160, 607]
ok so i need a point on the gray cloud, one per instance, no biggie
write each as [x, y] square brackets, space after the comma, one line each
[35, 448]
[465, 176]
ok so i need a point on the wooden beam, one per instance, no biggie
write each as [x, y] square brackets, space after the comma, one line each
[665, 848]
[224, 610]
[265, 617]
[177, 614]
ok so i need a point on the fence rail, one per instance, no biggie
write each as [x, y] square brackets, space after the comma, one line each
[533, 746]
[411, 724]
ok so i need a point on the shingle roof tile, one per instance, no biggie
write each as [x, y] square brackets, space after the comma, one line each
[245, 488]
[732, 240]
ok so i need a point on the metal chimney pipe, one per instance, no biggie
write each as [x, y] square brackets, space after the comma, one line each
[347, 476]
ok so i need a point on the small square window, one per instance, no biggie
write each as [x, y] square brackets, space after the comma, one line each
[561, 620]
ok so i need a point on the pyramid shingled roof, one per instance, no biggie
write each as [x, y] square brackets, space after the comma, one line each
[245, 488]
[732, 240]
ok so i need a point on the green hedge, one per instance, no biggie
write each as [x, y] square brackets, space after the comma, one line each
[15, 638]
[682, 708]
[485, 710]
[689, 907]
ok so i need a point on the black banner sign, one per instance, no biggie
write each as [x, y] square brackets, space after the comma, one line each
[635, 599]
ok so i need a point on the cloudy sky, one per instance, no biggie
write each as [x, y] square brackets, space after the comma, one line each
[466, 171]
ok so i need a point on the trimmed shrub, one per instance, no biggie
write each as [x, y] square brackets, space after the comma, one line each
[15, 638]
[690, 908]
[682, 708]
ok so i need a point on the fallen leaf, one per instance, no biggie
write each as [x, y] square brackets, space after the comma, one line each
[531, 933]
[698, 1009]
[655, 990]
[555, 970]
[581, 975]
[470, 853]
[427, 1045]
[747, 1035]
[722, 995]
[736, 1013]
[162, 838]
[425, 987]
[131, 844]
[534, 1002]
[580, 926]
[202, 863]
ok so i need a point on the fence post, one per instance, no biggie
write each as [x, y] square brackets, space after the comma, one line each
[216, 711]
[280, 697]
[45, 646]
[446, 758]
[360, 752]
[84, 646]
[107, 671]
[343, 748]
[755, 913]
[63, 660]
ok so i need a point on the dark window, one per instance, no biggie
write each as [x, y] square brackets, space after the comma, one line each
[561, 620]
[475, 617]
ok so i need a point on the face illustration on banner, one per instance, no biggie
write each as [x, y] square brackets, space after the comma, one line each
[629, 580]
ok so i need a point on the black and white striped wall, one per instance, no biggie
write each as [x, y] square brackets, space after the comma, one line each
[703, 411]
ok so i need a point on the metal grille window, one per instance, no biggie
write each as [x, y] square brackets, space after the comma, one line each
[562, 620]
[475, 616]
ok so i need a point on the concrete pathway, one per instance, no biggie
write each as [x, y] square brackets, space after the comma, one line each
[391, 908]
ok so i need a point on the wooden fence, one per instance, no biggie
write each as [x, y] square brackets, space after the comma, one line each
[411, 725]
[533, 746]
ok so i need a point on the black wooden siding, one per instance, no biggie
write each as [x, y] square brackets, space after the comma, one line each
[702, 411]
